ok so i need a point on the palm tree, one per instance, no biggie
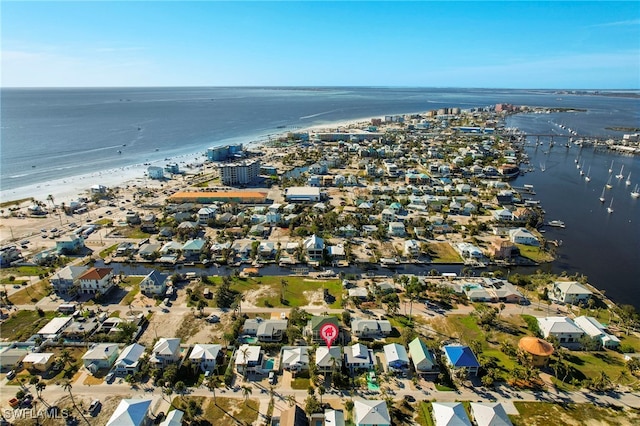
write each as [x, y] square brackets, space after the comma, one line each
[40, 386]
[246, 391]
[291, 400]
[283, 285]
[212, 384]
[245, 363]
[67, 387]
[321, 391]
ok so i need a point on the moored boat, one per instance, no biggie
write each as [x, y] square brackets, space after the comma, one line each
[556, 223]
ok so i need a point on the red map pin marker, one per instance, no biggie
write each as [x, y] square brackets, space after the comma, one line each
[329, 333]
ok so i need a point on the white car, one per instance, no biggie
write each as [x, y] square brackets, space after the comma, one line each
[213, 318]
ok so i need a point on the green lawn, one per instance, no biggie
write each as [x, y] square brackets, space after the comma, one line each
[23, 324]
[534, 253]
[24, 271]
[548, 414]
[424, 414]
[443, 253]
[294, 291]
[129, 232]
[106, 252]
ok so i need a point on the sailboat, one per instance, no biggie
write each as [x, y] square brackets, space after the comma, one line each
[610, 208]
[628, 181]
[602, 195]
[620, 175]
[542, 167]
[636, 192]
[587, 178]
[608, 185]
[611, 167]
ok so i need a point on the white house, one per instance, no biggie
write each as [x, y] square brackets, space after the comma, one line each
[489, 414]
[154, 284]
[570, 292]
[370, 412]
[562, 328]
[411, 248]
[295, 358]
[396, 357]
[131, 412]
[248, 358]
[369, 328]
[523, 236]
[129, 360]
[66, 281]
[502, 215]
[205, 356]
[449, 414]
[206, 213]
[314, 246]
[96, 281]
[328, 359]
[422, 359]
[358, 357]
[597, 331]
[166, 351]
[396, 229]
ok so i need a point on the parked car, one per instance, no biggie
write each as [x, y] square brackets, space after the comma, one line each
[272, 377]
[94, 405]
[109, 377]
[213, 318]
[11, 374]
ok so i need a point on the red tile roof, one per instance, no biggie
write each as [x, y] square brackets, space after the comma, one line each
[95, 274]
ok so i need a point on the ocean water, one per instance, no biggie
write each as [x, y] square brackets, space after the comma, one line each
[49, 134]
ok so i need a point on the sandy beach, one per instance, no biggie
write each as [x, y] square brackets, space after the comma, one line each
[69, 188]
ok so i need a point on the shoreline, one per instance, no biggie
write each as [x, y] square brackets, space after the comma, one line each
[70, 188]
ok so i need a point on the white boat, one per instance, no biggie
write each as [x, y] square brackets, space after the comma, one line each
[542, 167]
[556, 223]
[587, 177]
[608, 185]
[628, 181]
[611, 167]
[636, 192]
[602, 195]
[610, 208]
[620, 175]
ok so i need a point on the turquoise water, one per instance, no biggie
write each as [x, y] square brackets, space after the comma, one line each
[268, 364]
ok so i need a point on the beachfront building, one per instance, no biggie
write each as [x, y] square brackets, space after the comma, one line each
[571, 292]
[38, 361]
[248, 359]
[314, 247]
[328, 359]
[523, 236]
[96, 281]
[52, 329]
[358, 357]
[370, 328]
[489, 414]
[396, 357]
[271, 330]
[240, 197]
[242, 173]
[69, 244]
[66, 281]
[295, 358]
[222, 153]
[9, 254]
[155, 172]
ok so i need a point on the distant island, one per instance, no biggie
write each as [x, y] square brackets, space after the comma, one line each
[623, 129]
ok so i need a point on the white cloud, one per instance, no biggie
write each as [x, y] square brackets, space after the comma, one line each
[630, 22]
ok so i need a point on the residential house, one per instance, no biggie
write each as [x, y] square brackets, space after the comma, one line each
[96, 281]
[371, 412]
[69, 244]
[295, 358]
[166, 351]
[294, 416]
[149, 251]
[411, 248]
[314, 247]
[523, 236]
[460, 356]
[489, 414]
[248, 359]
[422, 358]
[562, 328]
[205, 214]
[66, 281]
[315, 323]
[503, 215]
[396, 356]
[129, 360]
[396, 229]
[174, 418]
[205, 356]
[571, 292]
[333, 418]
[328, 359]
[596, 331]
[358, 357]
[154, 284]
[132, 412]
[449, 414]
[193, 248]
[366, 328]
[38, 361]
[265, 330]
[388, 215]
[100, 356]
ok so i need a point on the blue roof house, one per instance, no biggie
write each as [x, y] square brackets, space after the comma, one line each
[459, 356]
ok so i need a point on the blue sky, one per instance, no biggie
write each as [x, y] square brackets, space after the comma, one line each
[430, 44]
